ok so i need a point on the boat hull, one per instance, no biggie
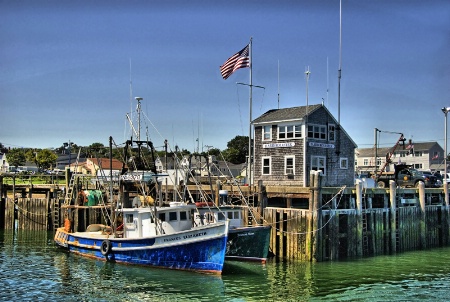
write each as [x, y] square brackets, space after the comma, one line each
[248, 243]
[201, 249]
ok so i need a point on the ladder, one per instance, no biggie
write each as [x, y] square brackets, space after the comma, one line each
[69, 192]
[365, 226]
[56, 212]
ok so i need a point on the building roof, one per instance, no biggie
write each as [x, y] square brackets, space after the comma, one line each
[104, 163]
[370, 152]
[286, 114]
[294, 114]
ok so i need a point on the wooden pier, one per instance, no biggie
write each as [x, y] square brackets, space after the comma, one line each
[308, 224]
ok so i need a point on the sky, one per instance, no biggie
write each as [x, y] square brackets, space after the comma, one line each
[70, 70]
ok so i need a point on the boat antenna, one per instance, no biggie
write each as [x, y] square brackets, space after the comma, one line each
[138, 109]
[131, 95]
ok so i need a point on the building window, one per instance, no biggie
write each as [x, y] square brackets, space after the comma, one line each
[378, 161]
[289, 164]
[418, 166]
[289, 131]
[331, 132]
[318, 164]
[266, 166]
[343, 162]
[418, 154]
[366, 162]
[267, 133]
[317, 132]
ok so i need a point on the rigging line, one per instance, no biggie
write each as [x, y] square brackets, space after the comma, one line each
[239, 109]
[262, 101]
[154, 127]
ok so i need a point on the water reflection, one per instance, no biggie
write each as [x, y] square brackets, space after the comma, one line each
[32, 268]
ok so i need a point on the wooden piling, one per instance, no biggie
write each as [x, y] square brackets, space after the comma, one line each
[359, 222]
[422, 227]
[392, 215]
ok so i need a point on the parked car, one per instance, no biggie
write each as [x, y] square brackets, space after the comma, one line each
[441, 177]
[429, 175]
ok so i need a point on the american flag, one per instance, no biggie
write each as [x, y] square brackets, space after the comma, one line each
[436, 156]
[240, 59]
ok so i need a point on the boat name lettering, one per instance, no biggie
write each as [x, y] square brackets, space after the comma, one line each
[246, 234]
[194, 235]
[131, 177]
[171, 239]
[321, 145]
[278, 145]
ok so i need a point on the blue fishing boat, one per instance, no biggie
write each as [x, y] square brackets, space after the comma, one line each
[167, 241]
[143, 229]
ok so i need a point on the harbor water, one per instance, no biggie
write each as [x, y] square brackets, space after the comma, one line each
[32, 268]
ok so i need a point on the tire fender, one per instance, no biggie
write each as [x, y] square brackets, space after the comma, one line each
[105, 248]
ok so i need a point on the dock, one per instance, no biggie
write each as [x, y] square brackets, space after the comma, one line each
[308, 223]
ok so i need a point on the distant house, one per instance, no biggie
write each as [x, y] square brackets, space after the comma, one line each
[290, 142]
[199, 168]
[4, 165]
[64, 160]
[98, 167]
[427, 156]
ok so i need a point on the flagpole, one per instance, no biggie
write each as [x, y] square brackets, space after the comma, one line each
[250, 120]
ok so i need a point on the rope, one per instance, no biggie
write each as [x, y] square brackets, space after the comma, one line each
[323, 226]
[25, 211]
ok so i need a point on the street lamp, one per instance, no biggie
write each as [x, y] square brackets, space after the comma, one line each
[445, 110]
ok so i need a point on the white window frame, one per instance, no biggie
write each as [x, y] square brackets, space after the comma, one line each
[269, 158]
[331, 132]
[319, 163]
[379, 161]
[343, 163]
[365, 162]
[318, 132]
[267, 131]
[289, 131]
[292, 167]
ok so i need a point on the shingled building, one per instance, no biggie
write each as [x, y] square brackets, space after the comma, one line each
[290, 142]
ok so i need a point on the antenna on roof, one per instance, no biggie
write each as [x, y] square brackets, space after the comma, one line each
[307, 73]
[328, 83]
[278, 84]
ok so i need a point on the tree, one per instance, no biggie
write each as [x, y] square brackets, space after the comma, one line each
[16, 157]
[237, 150]
[214, 151]
[46, 159]
[97, 150]
[30, 155]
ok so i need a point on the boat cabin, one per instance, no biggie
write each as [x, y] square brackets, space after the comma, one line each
[140, 222]
[207, 215]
